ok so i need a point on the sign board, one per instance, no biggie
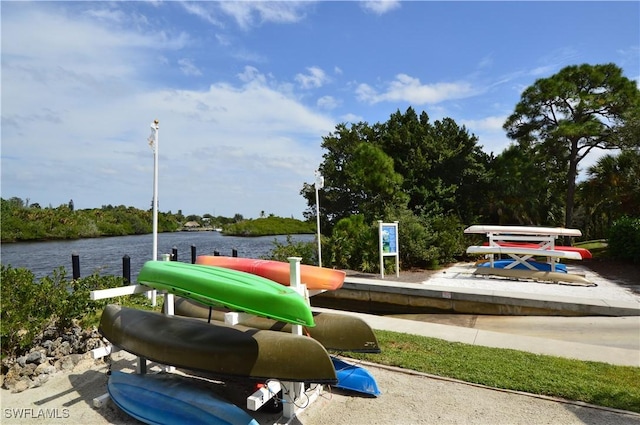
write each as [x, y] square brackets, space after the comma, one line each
[389, 244]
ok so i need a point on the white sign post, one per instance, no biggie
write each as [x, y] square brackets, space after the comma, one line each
[319, 185]
[389, 244]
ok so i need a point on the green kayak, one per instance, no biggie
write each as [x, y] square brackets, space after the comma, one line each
[239, 291]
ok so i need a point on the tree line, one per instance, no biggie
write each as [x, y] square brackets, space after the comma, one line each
[25, 221]
[435, 179]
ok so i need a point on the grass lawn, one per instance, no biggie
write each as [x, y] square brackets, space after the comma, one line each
[591, 382]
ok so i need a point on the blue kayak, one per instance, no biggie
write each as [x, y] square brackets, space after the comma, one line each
[543, 267]
[354, 378]
[169, 399]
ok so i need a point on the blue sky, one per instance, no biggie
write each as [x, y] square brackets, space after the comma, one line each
[245, 91]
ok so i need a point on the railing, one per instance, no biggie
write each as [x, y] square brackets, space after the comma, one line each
[126, 262]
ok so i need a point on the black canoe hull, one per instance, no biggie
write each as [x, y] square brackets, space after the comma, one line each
[334, 331]
[225, 351]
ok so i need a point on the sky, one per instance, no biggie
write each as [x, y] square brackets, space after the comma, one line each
[244, 92]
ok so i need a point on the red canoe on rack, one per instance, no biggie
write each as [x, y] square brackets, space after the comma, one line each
[316, 278]
[584, 253]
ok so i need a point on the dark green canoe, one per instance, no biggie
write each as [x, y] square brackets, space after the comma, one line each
[334, 331]
[217, 286]
[224, 351]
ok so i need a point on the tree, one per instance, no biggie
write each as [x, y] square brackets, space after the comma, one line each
[569, 114]
[433, 169]
[611, 191]
[444, 169]
[524, 189]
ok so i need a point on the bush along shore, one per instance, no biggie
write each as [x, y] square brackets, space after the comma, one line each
[50, 325]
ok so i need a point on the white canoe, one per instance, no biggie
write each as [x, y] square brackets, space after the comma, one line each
[523, 230]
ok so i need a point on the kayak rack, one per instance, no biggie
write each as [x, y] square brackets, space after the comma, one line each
[296, 399]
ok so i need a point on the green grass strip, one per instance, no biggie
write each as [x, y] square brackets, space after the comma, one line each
[596, 383]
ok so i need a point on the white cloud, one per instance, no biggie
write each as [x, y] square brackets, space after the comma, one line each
[77, 103]
[380, 7]
[493, 123]
[203, 10]
[409, 89]
[328, 103]
[314, 79]
[188, 68]
[352, 118]
[489, 131]
[247, 13]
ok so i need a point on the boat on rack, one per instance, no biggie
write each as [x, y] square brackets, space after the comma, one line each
[535, 275]
[316, 278]
[523, 230]
[355, 378]
[235, 290]
[170, 399]
[338, 332]
[514, 265]
[223, 351]
[584, 253]
[520, 251]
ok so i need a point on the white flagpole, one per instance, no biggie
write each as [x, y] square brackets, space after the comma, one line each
[153, 141]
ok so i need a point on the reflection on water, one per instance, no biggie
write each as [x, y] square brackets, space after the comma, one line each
[104, 255]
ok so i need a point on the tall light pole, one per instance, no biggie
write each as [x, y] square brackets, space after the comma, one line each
[319, 185]
[153, 142]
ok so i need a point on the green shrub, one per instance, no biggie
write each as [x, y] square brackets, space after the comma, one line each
[354, 245]
[28, 306]
[305, 250]
[624, 239]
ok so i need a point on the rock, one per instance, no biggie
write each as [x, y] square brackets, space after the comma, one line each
[47, 345]
[61, 349]
[36, 357]
[40, 380]
[67, 363]
[28, 370]
[21, 361]
[52, 352]
[44, 368]
[21, 385]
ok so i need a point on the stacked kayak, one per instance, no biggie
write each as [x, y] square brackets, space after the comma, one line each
[170, 399]
[355, 378]
[334, 331]
[509, 264]
[235, 290]
[316, 278]
[225, 351]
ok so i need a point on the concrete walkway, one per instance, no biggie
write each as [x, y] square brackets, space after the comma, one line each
[614, 340]
[603, 343]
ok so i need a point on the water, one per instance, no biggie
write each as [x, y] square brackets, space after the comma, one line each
[104, 255]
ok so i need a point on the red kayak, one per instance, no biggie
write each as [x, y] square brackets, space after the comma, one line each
[279, 271]
[584, 253]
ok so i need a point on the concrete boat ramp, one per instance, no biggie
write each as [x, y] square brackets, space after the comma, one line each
[457, 290]
[594, 323]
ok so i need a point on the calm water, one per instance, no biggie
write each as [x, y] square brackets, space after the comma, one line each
[104, 255]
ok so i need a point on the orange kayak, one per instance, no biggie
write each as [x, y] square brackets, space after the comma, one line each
[316, 278]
